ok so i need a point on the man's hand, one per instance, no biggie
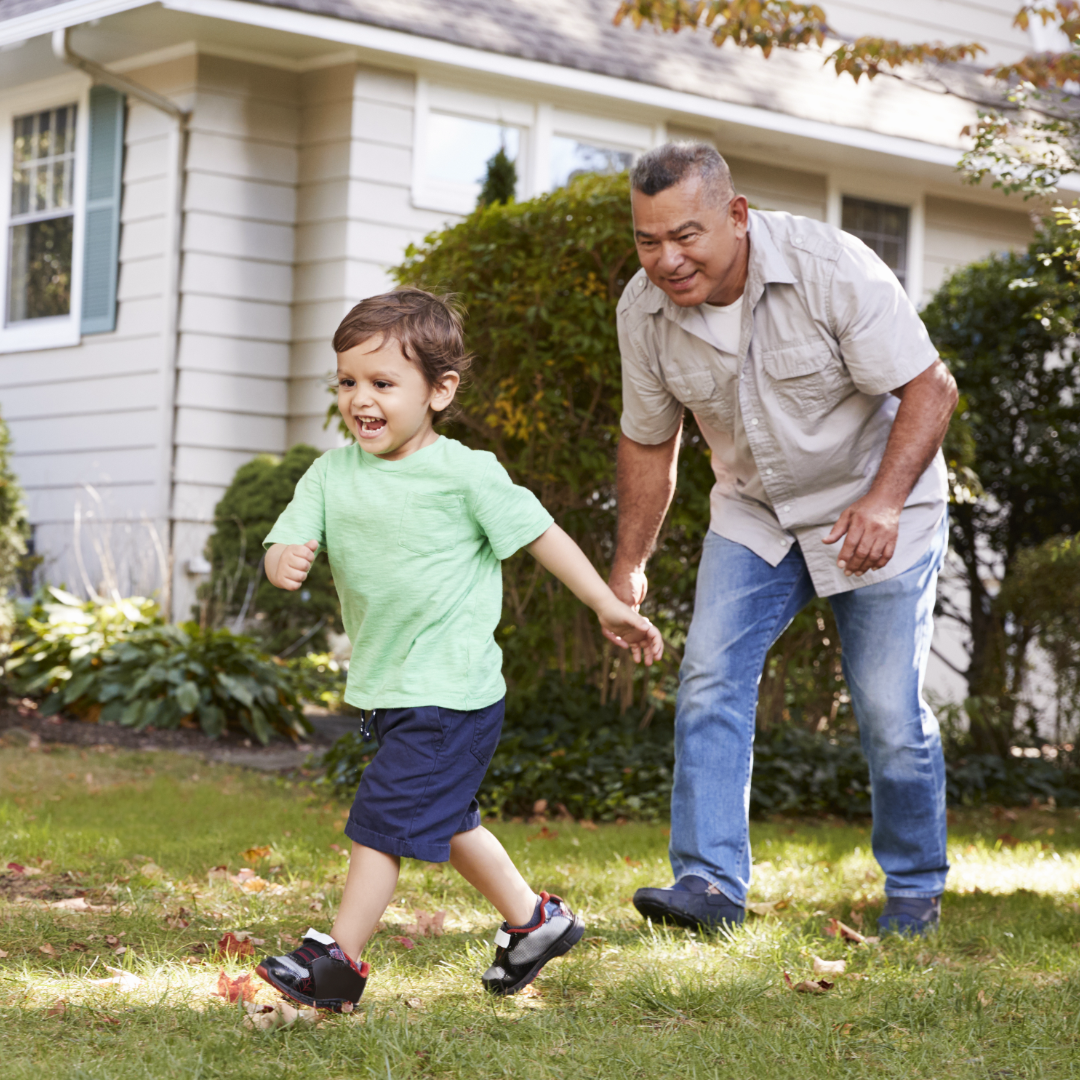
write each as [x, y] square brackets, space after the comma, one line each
[629, 630]
[288, 565]
[871, 526]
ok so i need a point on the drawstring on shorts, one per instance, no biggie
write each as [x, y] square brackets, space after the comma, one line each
[367, 717]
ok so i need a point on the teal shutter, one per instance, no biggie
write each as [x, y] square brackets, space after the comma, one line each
[101, 246]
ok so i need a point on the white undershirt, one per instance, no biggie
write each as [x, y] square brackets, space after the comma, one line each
[724, 324]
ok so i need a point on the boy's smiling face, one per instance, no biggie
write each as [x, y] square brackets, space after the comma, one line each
[385, 400]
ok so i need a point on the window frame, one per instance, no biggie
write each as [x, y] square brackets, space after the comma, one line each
[430, 194]
[58, 331]
[604, 133]
[873, 188]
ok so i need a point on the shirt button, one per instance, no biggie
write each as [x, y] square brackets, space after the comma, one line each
[641, 283]
[783, 543]
[786, 508]
[768, 472]
[754, 422]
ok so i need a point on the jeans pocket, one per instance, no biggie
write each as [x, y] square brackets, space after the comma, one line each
[487, 727]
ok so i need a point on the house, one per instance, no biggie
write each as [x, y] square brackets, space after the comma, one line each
[193, 192]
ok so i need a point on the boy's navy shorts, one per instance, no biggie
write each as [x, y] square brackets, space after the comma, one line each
[420, 788]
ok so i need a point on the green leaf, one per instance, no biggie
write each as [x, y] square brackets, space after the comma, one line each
[187, 697]
[237, 689]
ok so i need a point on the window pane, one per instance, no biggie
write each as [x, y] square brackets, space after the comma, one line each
[570, 158]
[44, 160]
[458, 149]
[40, 268]
[882, 227]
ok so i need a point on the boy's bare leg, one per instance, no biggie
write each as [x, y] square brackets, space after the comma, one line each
[482, 861]
[369, 887]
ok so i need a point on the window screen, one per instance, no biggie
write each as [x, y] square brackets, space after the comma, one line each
[883, 228]
[42, 215]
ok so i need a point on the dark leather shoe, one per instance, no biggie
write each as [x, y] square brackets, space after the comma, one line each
[910, 916]
[691, 902]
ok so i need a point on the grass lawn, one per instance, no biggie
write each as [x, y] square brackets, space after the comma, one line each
[995, 994]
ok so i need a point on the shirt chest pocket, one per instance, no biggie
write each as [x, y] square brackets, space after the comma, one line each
[705, 395]
[433, 523]
[806, 378]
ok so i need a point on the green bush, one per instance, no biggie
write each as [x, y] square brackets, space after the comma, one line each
[14, 533]
[563, 745]
[120, 663]
[259, 492]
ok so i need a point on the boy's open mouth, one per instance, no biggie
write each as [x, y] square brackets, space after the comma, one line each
[370, 425]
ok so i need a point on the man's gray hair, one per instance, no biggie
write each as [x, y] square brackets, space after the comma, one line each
[665, 166]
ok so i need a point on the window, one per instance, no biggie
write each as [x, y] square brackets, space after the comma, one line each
[883, 228]
[571, 157]
[458, 148]
[41, 231]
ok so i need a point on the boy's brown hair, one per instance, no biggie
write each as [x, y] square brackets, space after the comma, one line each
[426, 326]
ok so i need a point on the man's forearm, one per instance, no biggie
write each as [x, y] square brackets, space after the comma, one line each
[646, 484]
[926, 407]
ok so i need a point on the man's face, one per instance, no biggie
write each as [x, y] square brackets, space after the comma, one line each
[691, 245]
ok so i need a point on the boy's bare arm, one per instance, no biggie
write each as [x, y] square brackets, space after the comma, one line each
[555, 551]
[287, 565]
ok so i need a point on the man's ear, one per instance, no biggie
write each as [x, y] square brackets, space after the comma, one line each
[445, 389]
[739, 212]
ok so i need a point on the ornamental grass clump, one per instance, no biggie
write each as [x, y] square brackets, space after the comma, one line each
[119, 662]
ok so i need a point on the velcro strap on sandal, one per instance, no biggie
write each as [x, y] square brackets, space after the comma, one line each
[502, 938]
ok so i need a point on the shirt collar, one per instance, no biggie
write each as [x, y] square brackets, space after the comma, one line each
[767, 266]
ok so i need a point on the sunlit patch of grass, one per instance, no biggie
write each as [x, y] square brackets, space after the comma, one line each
[995, 993]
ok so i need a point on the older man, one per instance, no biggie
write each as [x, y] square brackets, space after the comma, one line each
[824, 405]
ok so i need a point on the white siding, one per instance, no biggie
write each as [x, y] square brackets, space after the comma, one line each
[88, 423]
[236, 290]
[354, 218]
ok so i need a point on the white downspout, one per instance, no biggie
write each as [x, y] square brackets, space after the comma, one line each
[173, 239]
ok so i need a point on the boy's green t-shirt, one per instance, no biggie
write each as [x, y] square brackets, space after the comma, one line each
[415, 547]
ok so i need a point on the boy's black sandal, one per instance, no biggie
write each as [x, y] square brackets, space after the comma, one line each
[521, 951]
[317, 974]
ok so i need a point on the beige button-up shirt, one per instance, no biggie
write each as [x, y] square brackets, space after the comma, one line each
[797, 422]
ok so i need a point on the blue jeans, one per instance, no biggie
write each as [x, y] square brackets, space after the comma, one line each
[741, 607]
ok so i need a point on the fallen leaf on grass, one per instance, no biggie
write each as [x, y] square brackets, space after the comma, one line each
[843, 1029]
[233, 990]
[413, 1003]
[828, 967]
[767, 907]
[982, 999]
[16, 868]
[120, 950]
[78, 903]
[3, 955]
[808, 986]
[235, 946]
[631, 862]
[179, 921]
[247, 935]
[544, 834]
[1008, 840]
[426, 925]
[122, 980]
[254, 854]
[47, 949]
[404, 942]
[218, 873]
[288, 939]
[836, 928]
[78, 946]
[57, 1009]
[112, 940]
[590, 825]
[279, 1015]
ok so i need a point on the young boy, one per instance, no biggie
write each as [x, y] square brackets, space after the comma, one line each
[415, 526]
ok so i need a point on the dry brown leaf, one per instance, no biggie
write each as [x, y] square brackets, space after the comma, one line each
[767, 907]
[1008, 840]
[233, 945]
[254, 854]
[413, 1003]
[3, 955]
[807, 986]
[983, 999]
[47, 949]
[843, 1029]
[234, 989]
[828, 967]
[218, 873]
[544, 834]
[122, 980]
[631, 862]
[426, 925]
[78, 946]
[836, 928]
[57, 1009]
[120, 951]
[111, 940]
[279, 1015]
[404, 942]
[78, 903]
[590, 825]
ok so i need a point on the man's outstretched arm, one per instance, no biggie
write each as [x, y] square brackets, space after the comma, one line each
[872, 523]
[646, 484]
